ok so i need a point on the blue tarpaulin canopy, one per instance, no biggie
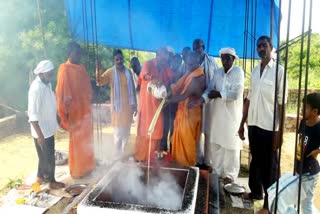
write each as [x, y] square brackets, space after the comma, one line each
[150, 24]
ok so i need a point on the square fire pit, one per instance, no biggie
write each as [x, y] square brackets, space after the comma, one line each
[169, 190]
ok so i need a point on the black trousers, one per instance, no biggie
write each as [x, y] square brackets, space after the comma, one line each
[46, 164]
[169, 114]
[264, 162]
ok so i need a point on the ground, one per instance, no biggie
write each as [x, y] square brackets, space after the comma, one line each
[18, 157]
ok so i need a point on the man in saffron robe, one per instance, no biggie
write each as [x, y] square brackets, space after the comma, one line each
[123, 100]
[156, 70]
[74, 95]
[187, 124]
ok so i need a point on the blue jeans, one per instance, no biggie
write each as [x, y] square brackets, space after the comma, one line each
[288, 196]
[309, 183]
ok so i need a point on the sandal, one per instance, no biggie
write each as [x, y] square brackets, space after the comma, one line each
[227, 180]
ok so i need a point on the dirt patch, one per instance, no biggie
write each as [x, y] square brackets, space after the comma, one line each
[18, 157]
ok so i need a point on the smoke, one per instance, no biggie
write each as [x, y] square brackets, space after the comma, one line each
[131, 187]
[167, 190]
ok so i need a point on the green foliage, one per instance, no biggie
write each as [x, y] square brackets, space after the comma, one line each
[294, 59]
[22, 47]
[14, 183]
[13, 72]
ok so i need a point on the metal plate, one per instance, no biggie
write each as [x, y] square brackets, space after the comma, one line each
[234, 188]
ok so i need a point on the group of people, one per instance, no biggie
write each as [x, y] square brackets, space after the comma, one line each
[204, 103]
[203, 99]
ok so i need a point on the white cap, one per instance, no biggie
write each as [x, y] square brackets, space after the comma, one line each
[230, 51]
[43, 67]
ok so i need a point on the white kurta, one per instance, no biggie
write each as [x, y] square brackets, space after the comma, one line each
[42, 107]
[226, 112]
[262, 95]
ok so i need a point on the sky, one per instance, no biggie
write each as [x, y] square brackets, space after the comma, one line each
[296, 17]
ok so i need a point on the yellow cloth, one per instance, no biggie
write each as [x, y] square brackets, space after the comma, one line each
[123, 118]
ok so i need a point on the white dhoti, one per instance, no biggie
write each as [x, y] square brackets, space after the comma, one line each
[225, 162]
[120, 139]
[223, 144]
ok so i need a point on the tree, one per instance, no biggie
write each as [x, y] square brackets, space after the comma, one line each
[294, 62]
[13, 72]
[22, 47]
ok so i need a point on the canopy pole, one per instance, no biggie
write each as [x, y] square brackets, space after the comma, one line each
[281, 117]
[130, 24]
[299, 97]
[271, 19]
[210, 23]
[305, 91]
[92, 26]
[83, 22]
[96, 53]
[245, 38]
[85, 28]
[254, 34]
[96, 29]
[42, 32]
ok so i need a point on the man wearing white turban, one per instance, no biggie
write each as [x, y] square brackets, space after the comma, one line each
[42, 112]
[226, 88]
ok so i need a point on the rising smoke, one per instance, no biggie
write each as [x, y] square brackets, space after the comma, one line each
[131, 187]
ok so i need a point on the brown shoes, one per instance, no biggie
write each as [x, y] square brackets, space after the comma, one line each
[56, 185]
